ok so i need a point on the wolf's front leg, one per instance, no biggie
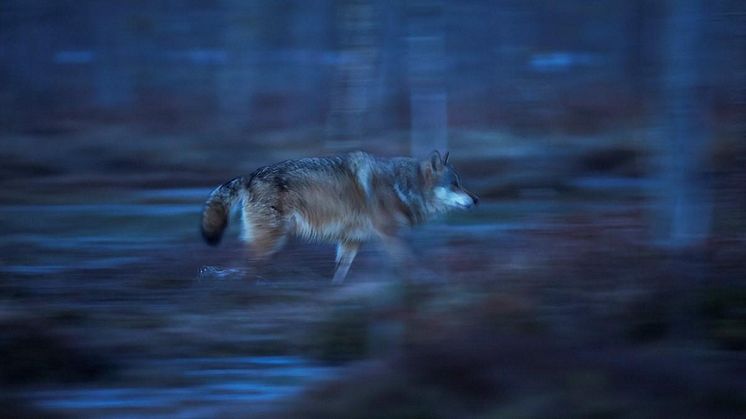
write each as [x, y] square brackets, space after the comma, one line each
[399, 252]
[405, 261]
[345, 255]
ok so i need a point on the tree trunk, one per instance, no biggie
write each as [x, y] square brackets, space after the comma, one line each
[684, 201]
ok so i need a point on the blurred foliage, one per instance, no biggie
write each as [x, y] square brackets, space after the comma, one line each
[342, 335]
[724, 311]
[32, 356]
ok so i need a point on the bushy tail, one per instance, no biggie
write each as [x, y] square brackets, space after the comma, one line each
[218, 207]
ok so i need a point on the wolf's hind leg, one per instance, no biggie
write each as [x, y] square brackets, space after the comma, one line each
[346, 252]
[266, 242]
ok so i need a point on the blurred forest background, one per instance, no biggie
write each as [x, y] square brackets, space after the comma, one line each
[602, 275]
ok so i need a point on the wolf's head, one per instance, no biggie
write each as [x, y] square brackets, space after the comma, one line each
[445, 184]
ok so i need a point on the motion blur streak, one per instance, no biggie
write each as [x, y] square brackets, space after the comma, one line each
[601, 275]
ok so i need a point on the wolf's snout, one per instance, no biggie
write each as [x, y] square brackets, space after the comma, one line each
[474, 199]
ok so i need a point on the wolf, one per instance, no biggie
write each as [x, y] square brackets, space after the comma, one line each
[346, 199]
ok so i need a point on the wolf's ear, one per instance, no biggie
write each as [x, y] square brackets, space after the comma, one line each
[436, 162]
[431, 166]
[445, 158]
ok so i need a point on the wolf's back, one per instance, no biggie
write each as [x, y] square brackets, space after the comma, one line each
[218, 207]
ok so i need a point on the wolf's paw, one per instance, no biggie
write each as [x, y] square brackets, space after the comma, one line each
[217, 272]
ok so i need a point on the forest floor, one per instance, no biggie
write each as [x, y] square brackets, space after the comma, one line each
[547, 300]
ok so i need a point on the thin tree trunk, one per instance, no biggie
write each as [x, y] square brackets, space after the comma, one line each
[428, 97]
[684, 204]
